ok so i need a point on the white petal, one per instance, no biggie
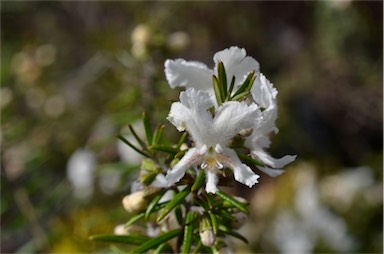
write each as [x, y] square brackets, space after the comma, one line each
[212, 180]
[192, 113]
[160, 181]
[231, 118]
[178, 115]
[236, 64]
[189, 74]
[271, 171]
[242, 172]
[190, 159]
[263, 92]
[270, 161]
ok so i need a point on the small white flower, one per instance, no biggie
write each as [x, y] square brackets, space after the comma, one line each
[191, 74]
[212, 135]
[264, 94]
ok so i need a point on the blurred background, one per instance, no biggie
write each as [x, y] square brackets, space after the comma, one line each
[74, 74]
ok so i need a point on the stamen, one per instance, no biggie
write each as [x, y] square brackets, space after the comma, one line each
[203, 149]
[219, 149]
[219, 165]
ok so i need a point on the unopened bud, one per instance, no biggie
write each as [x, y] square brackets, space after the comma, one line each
[207, 235]
[120, 230]
[241, 218]
[124, 230]
[135, 202]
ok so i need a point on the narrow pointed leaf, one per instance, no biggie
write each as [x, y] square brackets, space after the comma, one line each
[141, 142]
[155, 242]
[232, 85]
[197, 248]
[250, 161]
[188, 232]
[164, 148]
[157, 135]
[182, 140]
[233, 201]
[128, 239]
[147, 128]
[240, 96]
[222, 81]
[177, 199]
[162, 247]
[199, 181]
[152, 205]
[216, 89]
[245, 85]
[132, 146]
[227, 231]
[179, 215]
[134, 219]
[213, 218]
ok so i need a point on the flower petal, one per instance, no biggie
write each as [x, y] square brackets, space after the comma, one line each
[242, 172]
[189, 74]
[236, 64]
[191, 158]
[271, 171]
[192, 114]
[159, 182]
[270, 161]
[263, 92]
[231, 118]
[211, 186]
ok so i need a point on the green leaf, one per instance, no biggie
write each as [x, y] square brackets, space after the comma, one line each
[132, 146]
[216, 89]
[242, 207]
[188, 232]
[141, 142]
[182, 140]
[179, 215]
[240, 96]
[128, 239]
[248, 82]
[200, 180]
[214, 222]
[222, 81]
[164, 148]
[232, 85]
[157, 135]
[155, 242]
[161, 247]
[135, 219]
[225, 230]
[177, 199]
[249, 160]
[147, 128]
[152, 205]
[198, 247]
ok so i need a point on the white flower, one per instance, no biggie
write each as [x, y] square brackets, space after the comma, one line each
[197, 75]
[264, 94]
[212, 135]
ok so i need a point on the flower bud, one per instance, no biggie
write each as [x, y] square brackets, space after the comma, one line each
[207, 235]
[241, 218]
[135, 202]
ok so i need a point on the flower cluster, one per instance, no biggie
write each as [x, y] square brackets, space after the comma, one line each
[213, 124]
[228, 112]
